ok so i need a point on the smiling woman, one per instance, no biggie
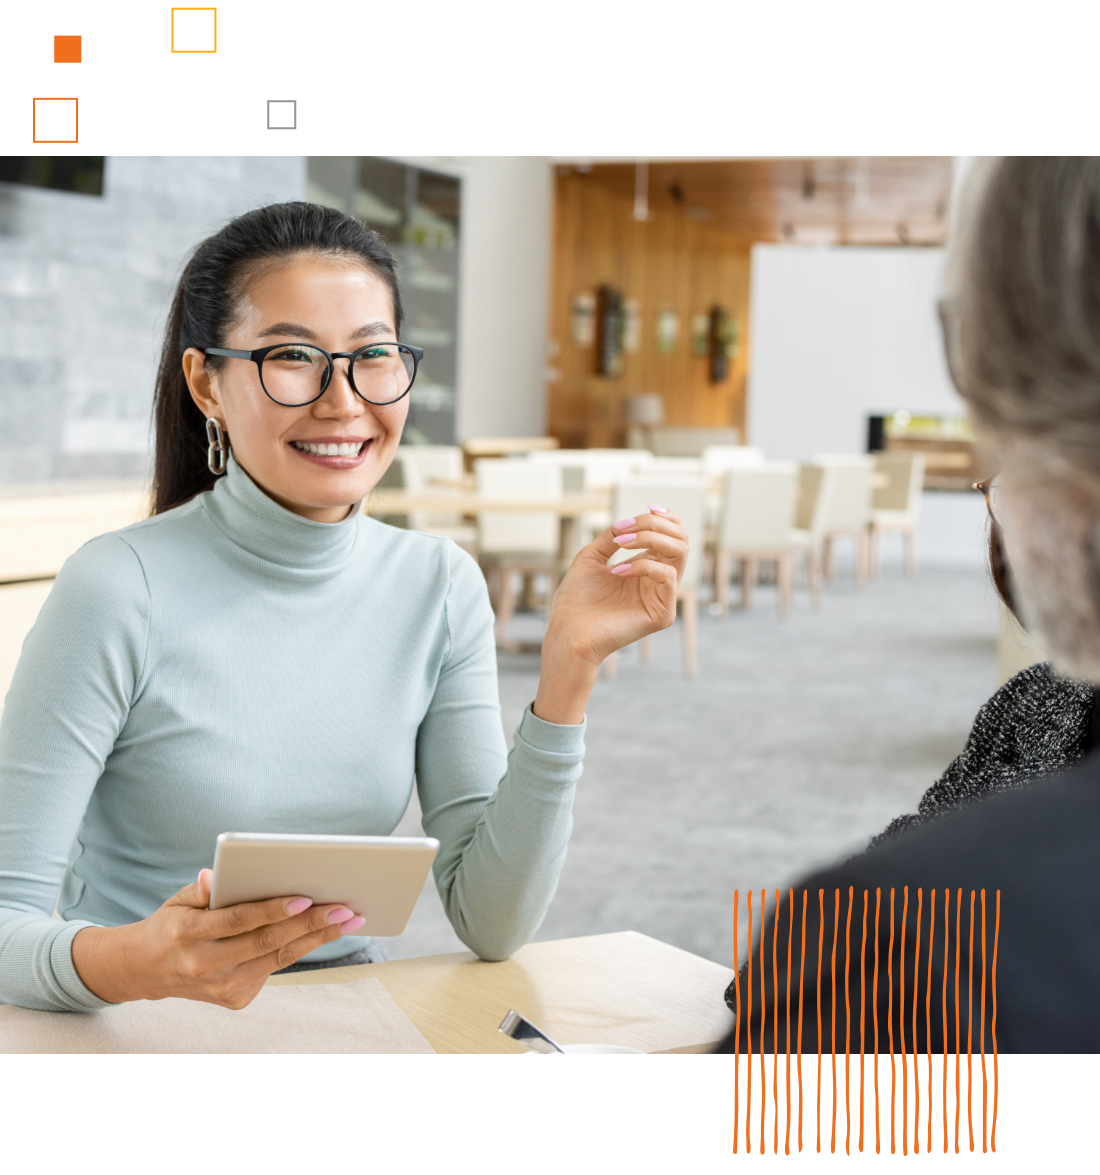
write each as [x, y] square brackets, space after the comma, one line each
[261, 656]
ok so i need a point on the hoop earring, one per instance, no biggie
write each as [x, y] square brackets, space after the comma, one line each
[218, 450]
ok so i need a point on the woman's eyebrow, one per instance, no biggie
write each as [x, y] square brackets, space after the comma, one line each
[288, 328]
[369, 330]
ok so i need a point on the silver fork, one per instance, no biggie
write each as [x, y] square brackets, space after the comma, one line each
[520, 1028]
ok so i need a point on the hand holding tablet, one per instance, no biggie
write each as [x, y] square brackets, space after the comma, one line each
[378, 878]
[269, 901]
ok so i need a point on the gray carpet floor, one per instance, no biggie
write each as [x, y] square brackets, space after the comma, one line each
[794, 743]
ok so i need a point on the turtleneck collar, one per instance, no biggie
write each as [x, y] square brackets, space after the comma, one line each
[252, 520]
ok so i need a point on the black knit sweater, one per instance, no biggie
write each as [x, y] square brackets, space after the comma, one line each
[1037, 724]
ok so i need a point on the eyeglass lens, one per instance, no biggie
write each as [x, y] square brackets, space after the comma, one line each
[295, 374]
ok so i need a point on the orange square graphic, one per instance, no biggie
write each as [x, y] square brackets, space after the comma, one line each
[194, 30]
[66, 50]
[55, 120]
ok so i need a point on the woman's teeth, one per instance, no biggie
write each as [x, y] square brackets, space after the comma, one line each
[329, 450]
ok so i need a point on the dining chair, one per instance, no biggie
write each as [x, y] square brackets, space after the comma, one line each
[602, 469]
[438, 470]
[521, 542]
[720, 459]
[895, 505]
[682, 494]
[842, 508]
[757, 517]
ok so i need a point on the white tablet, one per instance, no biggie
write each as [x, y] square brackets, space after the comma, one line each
[377, 877]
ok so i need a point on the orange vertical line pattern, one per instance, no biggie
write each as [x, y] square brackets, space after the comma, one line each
[790, 937]
[928, 1006]
[981, 1037]
[916, 986]
[993, 1026]
[763, 1024]
[832, 1022]
[890, 1019]
[737, 1033]
[748, 1034]
[775, 1022]
[874, 1012]
[970, 1030]
[820, 945]
[801, 977]
[901, 1029]
[946, 969]
[862, 1013]
[847, 1025]
[958, 1042]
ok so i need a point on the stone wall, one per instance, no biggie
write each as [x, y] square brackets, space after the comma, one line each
[85, 284]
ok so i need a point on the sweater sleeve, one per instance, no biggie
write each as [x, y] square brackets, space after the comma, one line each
[78, 673]
[503, 820]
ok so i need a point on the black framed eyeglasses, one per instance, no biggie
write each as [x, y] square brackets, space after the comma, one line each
[991, 490]
[295, 374]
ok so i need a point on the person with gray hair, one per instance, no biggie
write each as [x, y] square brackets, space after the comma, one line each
[1022, 334]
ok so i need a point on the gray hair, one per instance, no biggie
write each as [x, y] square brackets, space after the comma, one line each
[1023, 321]
[1022, 328]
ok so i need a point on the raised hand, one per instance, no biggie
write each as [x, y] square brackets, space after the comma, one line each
[599, 609]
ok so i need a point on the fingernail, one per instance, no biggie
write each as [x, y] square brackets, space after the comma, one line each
[658, 510]
[625, 538]
[620, 569]
[298, 905]
[352, 925]
[340, 915]
[624, 524]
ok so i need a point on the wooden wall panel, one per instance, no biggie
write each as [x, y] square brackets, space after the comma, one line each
[669, 260]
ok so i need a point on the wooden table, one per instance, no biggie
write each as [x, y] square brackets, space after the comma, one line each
[570, 508]
[623, 988]
[464, 502]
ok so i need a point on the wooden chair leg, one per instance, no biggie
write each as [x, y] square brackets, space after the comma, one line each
[909, 541]
[722, 560]
[689, 616]
[506, 603]
[784, 572]
[748, 581]
[813, 578]
[875, 545]
[611, 667]
[829, 557]
[862, 558]
[645, 650]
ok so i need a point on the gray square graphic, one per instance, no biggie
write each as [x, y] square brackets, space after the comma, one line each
[282, 120]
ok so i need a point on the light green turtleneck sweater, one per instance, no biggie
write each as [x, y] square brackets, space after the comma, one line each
[229, 665]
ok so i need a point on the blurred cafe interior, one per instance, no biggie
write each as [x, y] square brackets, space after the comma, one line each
[752, 341]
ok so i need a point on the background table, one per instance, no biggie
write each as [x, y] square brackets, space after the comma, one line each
[623, 988]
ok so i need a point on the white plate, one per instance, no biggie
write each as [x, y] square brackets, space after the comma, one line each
[588, 1048]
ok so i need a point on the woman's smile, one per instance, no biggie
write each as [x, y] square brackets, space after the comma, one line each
[334, 452]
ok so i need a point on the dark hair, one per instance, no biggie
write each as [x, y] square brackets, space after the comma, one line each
[206, 303]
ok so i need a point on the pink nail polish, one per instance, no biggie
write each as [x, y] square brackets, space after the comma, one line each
[620, 569]
[624, 523]
[352, 925]
[340, 915]
[658, 510]
[298, 905]
[625, 538]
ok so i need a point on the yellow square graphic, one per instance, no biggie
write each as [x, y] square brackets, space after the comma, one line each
[55, 120]
[194, 30]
